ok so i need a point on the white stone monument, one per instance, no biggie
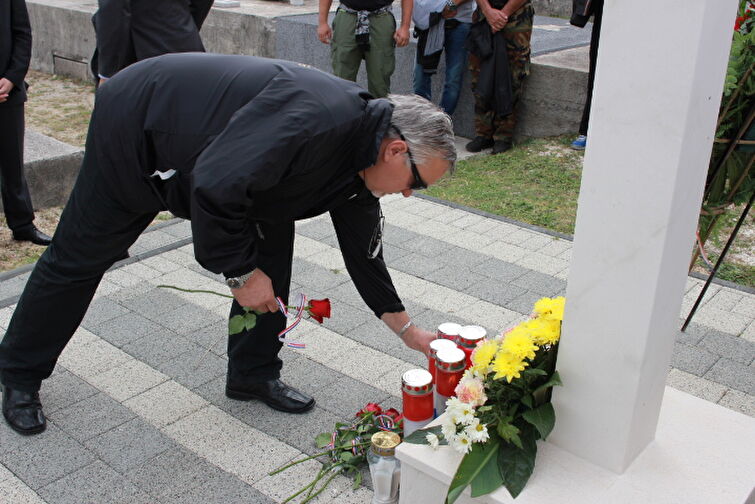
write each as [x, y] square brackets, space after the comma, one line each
[657, 93]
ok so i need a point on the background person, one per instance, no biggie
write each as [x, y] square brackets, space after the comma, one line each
[15, 53]
[365, 30]
[582, 9]
[243, 147]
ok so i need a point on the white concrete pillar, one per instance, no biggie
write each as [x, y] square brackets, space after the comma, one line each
[657, 91]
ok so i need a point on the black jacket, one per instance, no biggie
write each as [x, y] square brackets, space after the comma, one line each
[132, 30]
[15, 47]
[251, 139]
[581, 12]
[494, 81]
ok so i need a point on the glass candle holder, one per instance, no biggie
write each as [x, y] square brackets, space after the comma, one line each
[469, 336]
[449, 330]
[449, 368]
[435, 345]
[417, 393]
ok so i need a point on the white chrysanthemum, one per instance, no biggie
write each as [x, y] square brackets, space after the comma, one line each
[461, 413]
[461, 443]
[432, 440]
[448, 427]
[477, 432]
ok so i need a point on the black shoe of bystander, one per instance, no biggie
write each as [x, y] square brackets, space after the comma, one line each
[23, 411]
[479, 143]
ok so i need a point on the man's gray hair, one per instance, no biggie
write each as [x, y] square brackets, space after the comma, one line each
[427, 129]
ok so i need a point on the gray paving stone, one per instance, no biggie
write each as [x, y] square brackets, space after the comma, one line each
[64, 389]
[174, 471]
[347, 395]
[457, 257]
[457, 279]
[733, 374]
[194, 367]
[154, 303]
[218, 277]
[316, 229]
[188, 317]
[225, 488]
[95, 483]
[393, 253]
[500, 270]
[693, 360]
[129, 445]
[309, 376]
[396, 235]
[155, 239]
[91, 417]
[346, 317]
[213, 337]
[523, 304]
[426, 246]
[330, 241]
[417, 265]
[693, 334]
[739, 401]
[731, 347]
[13, 286]
[309, 275]
[494, 291]
[154, 349]
[541, 283]
[124, 329]
[100, 310]
[46, 457]
[181, 229]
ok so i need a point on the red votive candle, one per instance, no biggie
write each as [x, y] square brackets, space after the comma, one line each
[449, 367]
[469, 336]
[449, 330]
[436, 345]
[417, 392]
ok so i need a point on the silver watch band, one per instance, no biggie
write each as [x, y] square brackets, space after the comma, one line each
[406, 327]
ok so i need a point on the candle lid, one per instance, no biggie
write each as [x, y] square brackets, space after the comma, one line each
[417, 378]
[450, 355]
[450, 328]
[384, 443]
[472, 333]
[441, 343]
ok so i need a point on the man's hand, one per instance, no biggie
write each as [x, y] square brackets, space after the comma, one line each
[257, 293]
[448, 13]
[324, 33]
[401, 36]
[496, 19]
[6, 87]
[418, 339]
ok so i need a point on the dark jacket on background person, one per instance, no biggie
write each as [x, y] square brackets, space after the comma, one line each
[15, 48]
[268, 141]
[494, 82]
[581, 12]
[132, 30]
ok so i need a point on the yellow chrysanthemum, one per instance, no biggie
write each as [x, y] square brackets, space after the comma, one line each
[507, 366]
[551, 309]
[484, 353]
[519, 343]
[543, 331]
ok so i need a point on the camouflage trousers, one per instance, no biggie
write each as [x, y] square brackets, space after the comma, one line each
[517, 33]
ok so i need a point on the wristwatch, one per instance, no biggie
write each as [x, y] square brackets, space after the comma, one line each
[239, 281]
[451, 5]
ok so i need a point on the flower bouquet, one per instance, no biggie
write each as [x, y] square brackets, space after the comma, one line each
[502, 406]
[346, 448]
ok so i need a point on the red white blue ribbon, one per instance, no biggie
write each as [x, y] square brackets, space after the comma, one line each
[301, 304]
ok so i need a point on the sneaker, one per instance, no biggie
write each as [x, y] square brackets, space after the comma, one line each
[479, 143]
[580, 143]
[501, 146]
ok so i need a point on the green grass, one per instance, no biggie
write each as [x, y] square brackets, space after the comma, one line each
[537, 183]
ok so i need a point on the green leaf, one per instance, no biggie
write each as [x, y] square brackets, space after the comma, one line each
[534, 371]
[420, 436]
[527, 400]
[543, 418]
[516, 465]
[357, 481]
[555, 380]
[345, 456]
[322, 440]
[509, 433]
[250, 320]
[470, 467]
[236, 324]
[489, 478]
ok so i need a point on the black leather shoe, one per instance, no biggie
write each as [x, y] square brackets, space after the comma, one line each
[33, 235]
[479, 143]
[501, 146]
[274, 393]
[23, 411]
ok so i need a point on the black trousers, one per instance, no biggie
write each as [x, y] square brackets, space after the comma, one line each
[15, 192]
[99, 223]
[594, 42]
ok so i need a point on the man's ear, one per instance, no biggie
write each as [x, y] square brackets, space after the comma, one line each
[395, 147]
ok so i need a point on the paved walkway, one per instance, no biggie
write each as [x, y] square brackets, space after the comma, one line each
[136, 405]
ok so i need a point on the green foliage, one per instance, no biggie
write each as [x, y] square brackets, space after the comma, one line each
[472, 466]
[516, 464]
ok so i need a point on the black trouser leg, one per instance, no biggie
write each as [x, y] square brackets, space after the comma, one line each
[253, 355]
[94, 230]
[15, 192]
[594, 41]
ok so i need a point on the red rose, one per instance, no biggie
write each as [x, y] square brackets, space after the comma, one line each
[372, 407]
[393, 413]
[319, 309]
[738, 23]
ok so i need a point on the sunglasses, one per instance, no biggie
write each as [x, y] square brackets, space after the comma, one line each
[418, 183]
